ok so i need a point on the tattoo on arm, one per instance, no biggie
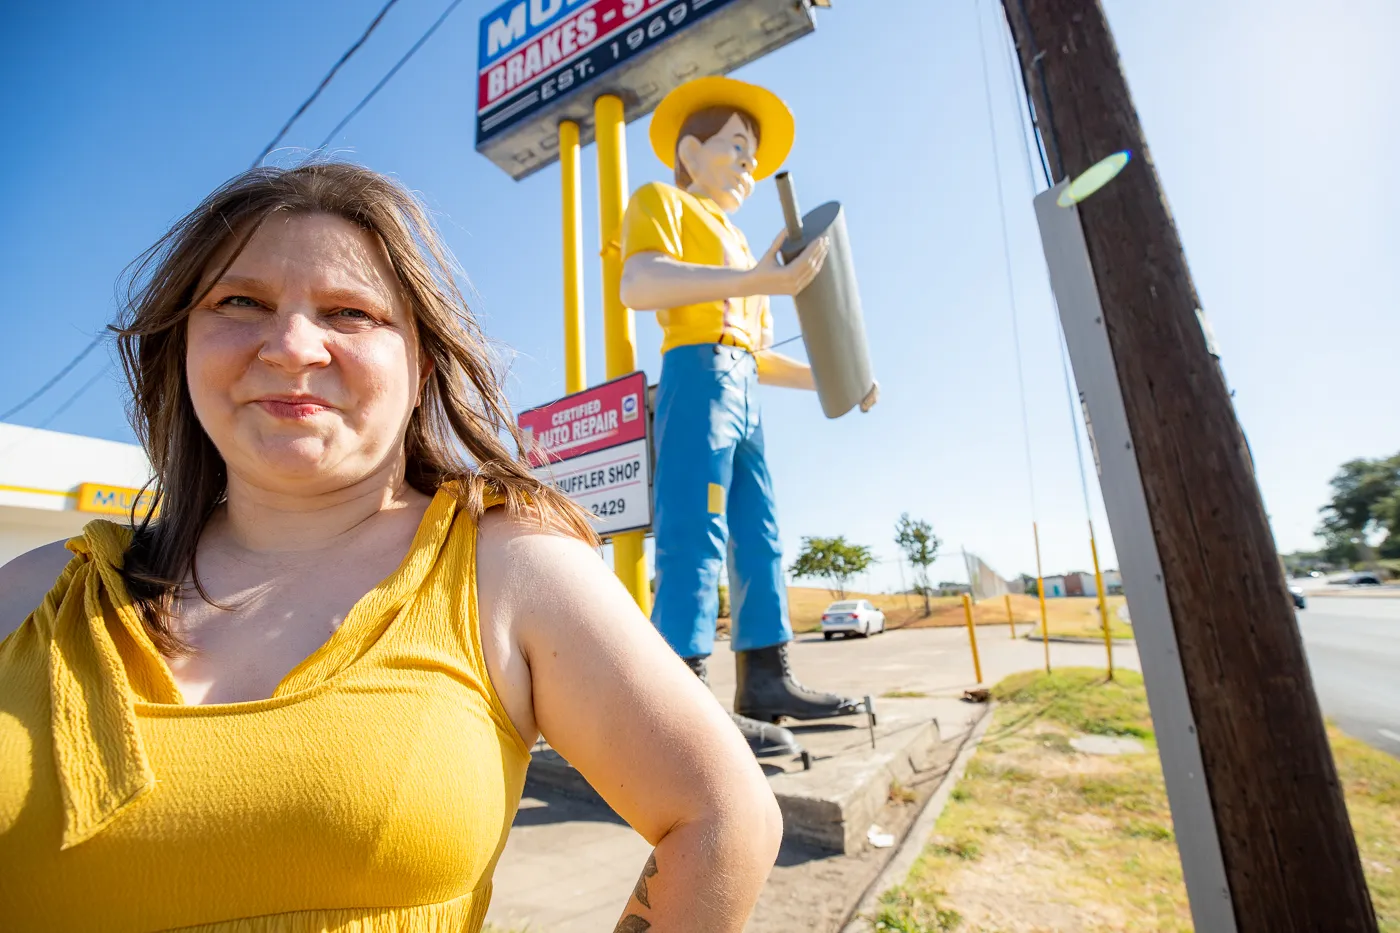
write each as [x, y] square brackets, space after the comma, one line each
[640, 891]
[632, 923]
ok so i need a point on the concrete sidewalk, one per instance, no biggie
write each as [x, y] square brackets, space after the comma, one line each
[570, 865]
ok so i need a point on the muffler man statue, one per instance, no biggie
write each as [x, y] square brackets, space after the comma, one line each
[685, 259]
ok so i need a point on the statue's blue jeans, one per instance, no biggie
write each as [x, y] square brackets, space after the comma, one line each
[714, 498]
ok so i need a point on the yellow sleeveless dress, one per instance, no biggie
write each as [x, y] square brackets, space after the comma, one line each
[372, 792]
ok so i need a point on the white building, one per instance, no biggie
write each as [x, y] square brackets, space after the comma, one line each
[1081, 583]
[52, 484]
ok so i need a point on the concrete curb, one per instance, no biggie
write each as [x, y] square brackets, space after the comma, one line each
[1081, 640]
[897, 868]
[1384, 592]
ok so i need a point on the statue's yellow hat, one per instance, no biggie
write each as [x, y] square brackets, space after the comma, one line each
[775, 124]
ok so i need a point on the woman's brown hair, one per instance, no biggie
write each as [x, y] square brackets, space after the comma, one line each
[454, 435]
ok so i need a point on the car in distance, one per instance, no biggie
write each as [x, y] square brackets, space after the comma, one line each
[1363, 578]
[852, 617]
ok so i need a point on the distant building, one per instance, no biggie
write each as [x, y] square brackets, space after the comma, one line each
[1081, 583]
[52, 484]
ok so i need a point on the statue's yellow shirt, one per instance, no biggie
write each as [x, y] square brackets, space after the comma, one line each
[662, 218]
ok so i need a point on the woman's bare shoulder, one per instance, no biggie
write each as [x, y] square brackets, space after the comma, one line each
[518, 549]
[546, 579]
[25, 580]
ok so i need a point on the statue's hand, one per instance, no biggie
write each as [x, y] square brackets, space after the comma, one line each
[871, 398]
[779, 279]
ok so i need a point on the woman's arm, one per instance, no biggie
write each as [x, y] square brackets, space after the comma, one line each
[25, 581]
[575, 658]
[653, 280]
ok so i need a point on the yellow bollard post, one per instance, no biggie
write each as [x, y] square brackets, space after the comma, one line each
[1010, 618]
[1103, 601]
[629, 555]
[1040, 589]
[972, 636]
[571, 197]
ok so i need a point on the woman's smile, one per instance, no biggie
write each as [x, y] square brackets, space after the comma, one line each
[293, 407]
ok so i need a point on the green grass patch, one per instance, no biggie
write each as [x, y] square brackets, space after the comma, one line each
[1371, 780]
[1081, 699]
[1086, 842]
[904, 694]
[902, 912]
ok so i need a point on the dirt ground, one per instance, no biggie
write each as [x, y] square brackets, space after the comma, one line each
[812, 890]
[1087, 838]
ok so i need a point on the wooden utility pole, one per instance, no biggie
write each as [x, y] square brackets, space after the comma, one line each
[1273, 802]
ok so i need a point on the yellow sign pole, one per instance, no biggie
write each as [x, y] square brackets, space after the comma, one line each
[1103, 601]
[1010, 618]
[1040, 589]
[571, 197]
[972, 636]
[629, 555]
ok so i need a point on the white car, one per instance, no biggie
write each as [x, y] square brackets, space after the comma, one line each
[852, 617]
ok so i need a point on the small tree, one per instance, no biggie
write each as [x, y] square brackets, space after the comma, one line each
[832, 559]
[920, 545]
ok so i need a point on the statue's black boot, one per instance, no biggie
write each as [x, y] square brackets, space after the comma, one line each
[766, 690]
[765, 739]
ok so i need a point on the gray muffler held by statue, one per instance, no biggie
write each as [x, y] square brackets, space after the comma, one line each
[833, 328]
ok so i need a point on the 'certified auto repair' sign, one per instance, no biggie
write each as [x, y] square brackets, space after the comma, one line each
[592, 446]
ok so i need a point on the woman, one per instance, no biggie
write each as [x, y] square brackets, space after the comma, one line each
[303, 696]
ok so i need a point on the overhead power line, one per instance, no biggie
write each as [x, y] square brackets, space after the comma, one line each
[55, 380]
[392, 71]
[322, 86]
[68, 402]
[1006, 253]
[270, 146]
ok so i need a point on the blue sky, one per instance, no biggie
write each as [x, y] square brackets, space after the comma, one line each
[1269, 123]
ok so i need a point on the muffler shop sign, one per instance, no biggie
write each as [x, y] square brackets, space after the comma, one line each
[593, 447]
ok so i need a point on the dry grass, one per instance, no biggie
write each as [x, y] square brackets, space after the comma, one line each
[1067, 616]
[1039, 837]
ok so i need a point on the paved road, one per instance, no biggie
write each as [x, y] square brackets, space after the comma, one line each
[1353, 646]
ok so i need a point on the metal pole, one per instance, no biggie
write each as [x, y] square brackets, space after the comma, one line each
[900, 561]
[1103, 602]
[571, 198]
[1257, 805]
[972, 636]
[1010, 618]
[1040, 590]
[629, 555]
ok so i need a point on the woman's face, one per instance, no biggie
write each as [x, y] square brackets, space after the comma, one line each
[302, 358]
